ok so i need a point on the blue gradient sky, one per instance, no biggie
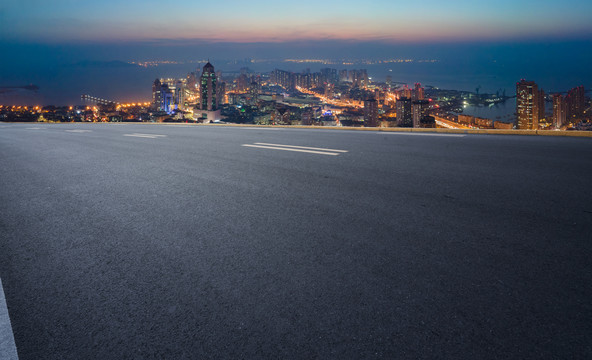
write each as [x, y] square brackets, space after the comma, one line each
[67, 21]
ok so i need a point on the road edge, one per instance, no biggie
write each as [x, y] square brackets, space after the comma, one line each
[7, 344]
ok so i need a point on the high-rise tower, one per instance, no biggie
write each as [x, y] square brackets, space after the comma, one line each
[208, 88]
[371, 113]
[530, 105]
[559, 111]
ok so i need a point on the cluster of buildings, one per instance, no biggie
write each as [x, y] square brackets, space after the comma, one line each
[568, 110]
[326, 98]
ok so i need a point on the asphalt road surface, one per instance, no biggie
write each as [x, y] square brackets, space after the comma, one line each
[195, 242]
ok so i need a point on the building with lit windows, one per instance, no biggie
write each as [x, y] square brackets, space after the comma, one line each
[371, 113]
[419, 92]
[283, 78]
[404, 112]
[420, 109]
[208, 88]
[559, 111]
[168, 95]
[210, 96]
[530, 105]
[576, 103]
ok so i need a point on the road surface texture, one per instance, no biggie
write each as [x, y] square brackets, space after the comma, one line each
[195, 242]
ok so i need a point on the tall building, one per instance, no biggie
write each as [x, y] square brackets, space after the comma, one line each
[156, 92]
[208, 88]
[406, 92]
[404, 113]
[530, 105]
[420, 109]
[329, 76]
[359, 77]
[343, 77]
[168, 94]
[283, 78]
[389, 81]
[419, 92]
[559, 111]
[371, 113]
[576, 103]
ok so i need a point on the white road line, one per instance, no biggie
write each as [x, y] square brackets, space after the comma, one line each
[420, 134]
[147, 136]
[261, 128]
[7, 345]
[289, 149]
[302, 147]
[35, 128]
[78, 131]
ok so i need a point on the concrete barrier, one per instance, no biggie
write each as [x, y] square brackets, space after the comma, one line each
[420, 130]
[387, 129]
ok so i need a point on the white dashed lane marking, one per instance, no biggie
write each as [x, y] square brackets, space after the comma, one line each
[147, 136]
[304, 149]
[78, 131]
[261, 128]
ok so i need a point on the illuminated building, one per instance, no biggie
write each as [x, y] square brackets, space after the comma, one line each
[359, 77]
[221, 93]
[208, 88]
[253, 93]
[156, 92]
[419, 92]
[530, 105]
[406, 92]
[576, 103]
[389, 81]
[559, 111]
[329, 76]
[303, 80]
[371, 113]
[420, 109]
[168, 94]
[283, 78]
[242, 82]
[343, 77]
[404, 113]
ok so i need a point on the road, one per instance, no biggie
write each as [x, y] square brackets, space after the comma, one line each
[201, 242]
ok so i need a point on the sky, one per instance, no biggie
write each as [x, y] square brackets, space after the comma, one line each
[111, 21]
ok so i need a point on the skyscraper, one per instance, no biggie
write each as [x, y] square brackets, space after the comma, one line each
[371, 113]
[419, 92]
[156, 93]
[208, 88]
[168, 94]
[576, 103]
[404, 114]
[559, 111]
[420, 110]
[530, 105]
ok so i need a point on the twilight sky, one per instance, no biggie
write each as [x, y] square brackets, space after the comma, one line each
[108, 21]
